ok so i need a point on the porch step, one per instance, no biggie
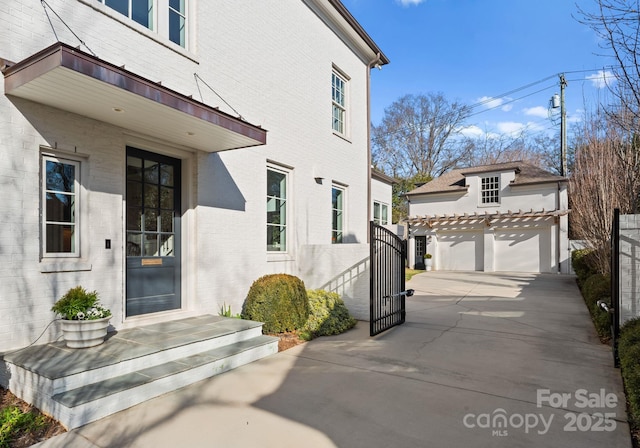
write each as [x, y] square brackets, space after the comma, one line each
[80, 386]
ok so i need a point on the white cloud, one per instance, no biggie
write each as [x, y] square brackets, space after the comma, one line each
[409, 2]
[602, 79]
[510, 127]
[472, 131]
[537, 111]
[494, 103]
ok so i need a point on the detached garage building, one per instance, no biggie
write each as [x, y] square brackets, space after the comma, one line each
[503, 217]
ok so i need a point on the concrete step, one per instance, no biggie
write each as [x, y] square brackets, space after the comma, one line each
[77, 386]
[79, 406]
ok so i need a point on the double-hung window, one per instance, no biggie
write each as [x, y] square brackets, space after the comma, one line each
[168, 18]
[339, 102]
[380, 213]
[337, 206]
[60, 207]
[490, 190]
[276, 210]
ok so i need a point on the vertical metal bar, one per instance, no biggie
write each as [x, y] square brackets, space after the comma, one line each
[615, 284]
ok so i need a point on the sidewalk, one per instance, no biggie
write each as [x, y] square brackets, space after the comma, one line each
[484, 360]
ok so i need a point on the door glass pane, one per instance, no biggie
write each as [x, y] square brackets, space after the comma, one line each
[134, 168]
[166, 175]
[150, 245]
[134, 244]
[134, 194]
[166, 198]
[166, 245]
[166, 221]
[151, 171]
[60, 176]
[134, 218]
[150, 220]
[151, 196]
[60, 207]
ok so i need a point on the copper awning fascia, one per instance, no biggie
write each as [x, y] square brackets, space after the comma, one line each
[69, 79]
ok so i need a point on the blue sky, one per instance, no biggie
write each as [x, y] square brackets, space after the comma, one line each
[475, 50]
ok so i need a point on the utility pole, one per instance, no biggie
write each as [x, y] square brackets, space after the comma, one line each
[563, 128]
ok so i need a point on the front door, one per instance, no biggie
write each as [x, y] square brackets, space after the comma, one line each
[153, 233]
[421, 250]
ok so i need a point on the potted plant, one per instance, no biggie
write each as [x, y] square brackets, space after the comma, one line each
[84, 320]
[428, 262]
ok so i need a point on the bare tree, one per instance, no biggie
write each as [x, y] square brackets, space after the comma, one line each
[617, 23]
[599, 183]
[416, 136]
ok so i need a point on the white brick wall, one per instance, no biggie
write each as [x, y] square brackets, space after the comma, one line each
[629, 267]
[272, 61]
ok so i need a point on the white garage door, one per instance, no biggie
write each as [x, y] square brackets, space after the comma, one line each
[460, 251]
[523, 250]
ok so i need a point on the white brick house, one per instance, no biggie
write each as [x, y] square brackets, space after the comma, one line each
[120, 173]
[503, 217]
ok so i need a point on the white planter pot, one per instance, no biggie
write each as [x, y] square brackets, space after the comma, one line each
[428, 262]
[85, 333]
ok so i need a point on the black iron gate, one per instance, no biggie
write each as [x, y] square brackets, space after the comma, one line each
[387, 299]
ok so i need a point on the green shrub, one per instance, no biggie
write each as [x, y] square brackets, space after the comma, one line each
[582, 261]
[594, 288]
[278, 300]
[629, 353]
[329, 315]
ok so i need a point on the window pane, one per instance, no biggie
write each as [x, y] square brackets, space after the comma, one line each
[276, 210]
[60, 208]
[176, 28]
[178, 5]
[337, 198]
[142, 12]
[122, 6]
[60, 238]
[385, 216]
[60, 176]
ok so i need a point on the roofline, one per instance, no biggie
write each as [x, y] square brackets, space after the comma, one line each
[383, 177]
[344, 12]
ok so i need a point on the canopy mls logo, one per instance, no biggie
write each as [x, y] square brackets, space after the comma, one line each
[594, 418]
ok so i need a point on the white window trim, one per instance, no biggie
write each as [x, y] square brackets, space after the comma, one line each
[188, 51]
[489, 204]
[346, 123]
[272, 254]
[381, 204]
[342, 188]
[78, 221]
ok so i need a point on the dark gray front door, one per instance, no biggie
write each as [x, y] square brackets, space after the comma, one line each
[153, 232]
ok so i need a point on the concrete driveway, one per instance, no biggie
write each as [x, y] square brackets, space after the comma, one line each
[484, 360]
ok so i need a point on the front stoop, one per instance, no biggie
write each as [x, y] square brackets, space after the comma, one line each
[78, 386]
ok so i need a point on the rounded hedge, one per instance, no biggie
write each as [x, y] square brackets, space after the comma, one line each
[278, 300]
[329, 315]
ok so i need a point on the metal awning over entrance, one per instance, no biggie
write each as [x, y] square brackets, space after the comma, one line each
[72, 80]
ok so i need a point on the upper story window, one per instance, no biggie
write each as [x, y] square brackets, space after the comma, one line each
[339, 102]
[60, 193]
[168, 18]
[490, 190]
[380, 213]
[337, 206]
[276, 210]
